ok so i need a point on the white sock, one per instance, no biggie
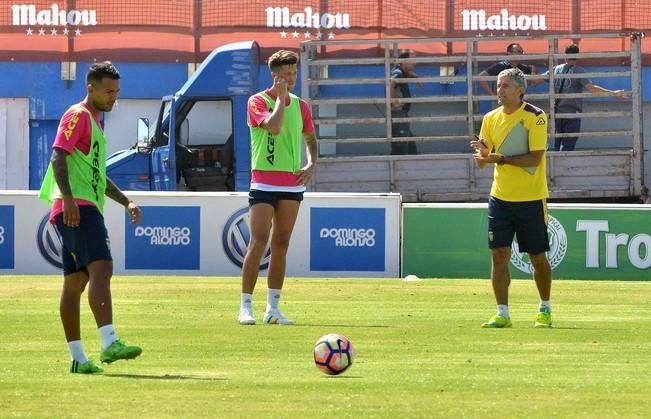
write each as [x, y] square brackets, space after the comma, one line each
[107, 332]
[246, 301]
[503, 310]
[77, 351]
[273, 298]
[546, 306]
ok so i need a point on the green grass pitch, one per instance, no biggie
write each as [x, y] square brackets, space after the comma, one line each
[420, 351]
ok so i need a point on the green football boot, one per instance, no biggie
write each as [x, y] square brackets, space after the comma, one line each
[87, 367]
[543, 319]
[497, 322]
[118, 350]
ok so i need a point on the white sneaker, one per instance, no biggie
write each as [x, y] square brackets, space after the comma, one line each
[276, 317]
[246, 316]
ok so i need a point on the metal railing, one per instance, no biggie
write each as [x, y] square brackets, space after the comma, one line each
[314, 68]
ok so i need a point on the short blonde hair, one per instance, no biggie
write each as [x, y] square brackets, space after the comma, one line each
[281, 58]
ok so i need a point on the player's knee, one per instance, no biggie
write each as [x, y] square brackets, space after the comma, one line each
[73, 287]
[280, 243]
[539, 261]
[100, 270]
[501, 256]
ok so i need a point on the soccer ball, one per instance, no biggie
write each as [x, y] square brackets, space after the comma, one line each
[333, 354]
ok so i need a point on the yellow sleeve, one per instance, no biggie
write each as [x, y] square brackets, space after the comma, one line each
[486, 132]
[538, 132]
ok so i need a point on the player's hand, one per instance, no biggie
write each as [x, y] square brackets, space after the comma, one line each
[279, 86]
[479, 146]
[134, 212]
[305, 174]
[71, 216]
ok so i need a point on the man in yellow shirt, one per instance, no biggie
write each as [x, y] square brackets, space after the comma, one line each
[514, 138]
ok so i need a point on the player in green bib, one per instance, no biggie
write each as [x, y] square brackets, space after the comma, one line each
[278, 121]
[75, 185]
[513, 137]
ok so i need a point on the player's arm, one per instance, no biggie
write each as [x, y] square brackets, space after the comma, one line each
[307, 171]
[113, 192]
[530, 159]
[60, 170]
[482, 155]
[309, 136]
[274, 122]
[483, 144]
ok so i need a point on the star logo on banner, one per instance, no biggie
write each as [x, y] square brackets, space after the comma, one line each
[331, 35]
[54, 32]
[306, 35]
[78, 32]
[319, 35]
[41, 32]
[66, 31]
[295, 34]
[29, 31]
[283, 34]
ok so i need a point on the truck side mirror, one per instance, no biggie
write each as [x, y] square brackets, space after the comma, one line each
[142, 133]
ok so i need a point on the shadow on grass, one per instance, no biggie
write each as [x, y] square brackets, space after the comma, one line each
[165, 377]
[362, 326]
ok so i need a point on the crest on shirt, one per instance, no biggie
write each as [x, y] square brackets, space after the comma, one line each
[541, 120]
[255, 109]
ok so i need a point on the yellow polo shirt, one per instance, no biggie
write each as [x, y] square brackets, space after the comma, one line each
[512, 134]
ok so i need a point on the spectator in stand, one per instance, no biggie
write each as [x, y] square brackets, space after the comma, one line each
[401, 110]
[572, 105]
[514, 50]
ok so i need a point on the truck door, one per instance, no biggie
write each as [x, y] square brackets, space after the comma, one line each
[162, 162]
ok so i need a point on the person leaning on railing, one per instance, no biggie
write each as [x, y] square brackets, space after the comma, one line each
[572, 105]
[513, 50]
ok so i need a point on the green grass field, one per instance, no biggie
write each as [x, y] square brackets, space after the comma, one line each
[420, 351]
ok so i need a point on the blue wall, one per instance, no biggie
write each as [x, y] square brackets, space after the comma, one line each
[49, 97]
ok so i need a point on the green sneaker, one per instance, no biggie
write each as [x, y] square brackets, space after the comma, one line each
[543, 319]
[497, 322]
[118, 350]
[87, 367]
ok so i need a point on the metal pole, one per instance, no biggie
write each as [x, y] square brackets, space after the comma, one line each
[637, 175]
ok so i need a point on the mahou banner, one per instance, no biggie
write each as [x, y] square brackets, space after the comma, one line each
[187, 30]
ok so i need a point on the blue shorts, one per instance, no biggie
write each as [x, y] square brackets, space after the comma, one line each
[271, 197]
[84, 244]
[526, 220]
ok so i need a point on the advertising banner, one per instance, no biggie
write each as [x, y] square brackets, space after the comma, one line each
[155, 30]
[352, 238]
[586, 242]
[183, 233]
[6, 237]
[170, 236]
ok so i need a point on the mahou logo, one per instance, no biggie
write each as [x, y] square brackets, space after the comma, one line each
[306, 21]
[28, 15]
[477, 20]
